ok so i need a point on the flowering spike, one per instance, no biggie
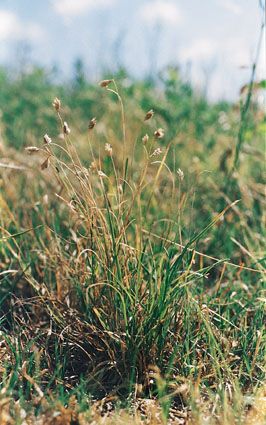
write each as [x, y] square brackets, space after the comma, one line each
[159, 134]
[149, 115]
[105, 83]
[66, 129]
[57, 104]
[47, 139]
[92, 123]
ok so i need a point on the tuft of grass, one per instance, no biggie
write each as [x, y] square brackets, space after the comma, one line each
[132, 281]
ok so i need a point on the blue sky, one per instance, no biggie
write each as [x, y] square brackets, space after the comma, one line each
[217, 38]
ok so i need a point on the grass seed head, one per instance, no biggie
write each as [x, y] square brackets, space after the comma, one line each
[101, 173]
[108, 148]
[105, 83]
[45, 199]
[32, 149]
[180, 174]
[149, 115]
[47, 140]
[92, 123]
[93, 166]
[145, 139]
[57, 104]
[157, 152]
[45, 164]
[159, 133]
[66, 129]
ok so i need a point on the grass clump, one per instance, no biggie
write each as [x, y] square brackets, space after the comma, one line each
[132, 287]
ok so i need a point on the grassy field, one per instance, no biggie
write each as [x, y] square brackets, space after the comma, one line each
[132, 268]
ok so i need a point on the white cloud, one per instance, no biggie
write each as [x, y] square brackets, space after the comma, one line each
[8, 23]
[11, 28]
[237, 52]
[232, 6]
[71, 8]
[159, 11]
[199, 50]
[232, 50]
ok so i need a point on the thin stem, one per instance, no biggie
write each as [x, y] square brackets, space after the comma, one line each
[245, 108]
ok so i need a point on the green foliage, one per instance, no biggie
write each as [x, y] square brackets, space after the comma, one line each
[25, 102]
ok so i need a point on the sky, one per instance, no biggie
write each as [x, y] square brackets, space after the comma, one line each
[213, 41]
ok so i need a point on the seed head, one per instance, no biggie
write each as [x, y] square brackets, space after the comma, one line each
[157, 152]
[66, 129]
[32, 149]
[101, 174]
[47, 140]
[57, 104]
[92, 123]
[159, 134]
[180, 174]
[45, 199]
[145, 139]
[149, 115]
[105, 83]
[84, 171]
[108, 148]
[93, 166]
[45, 164]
